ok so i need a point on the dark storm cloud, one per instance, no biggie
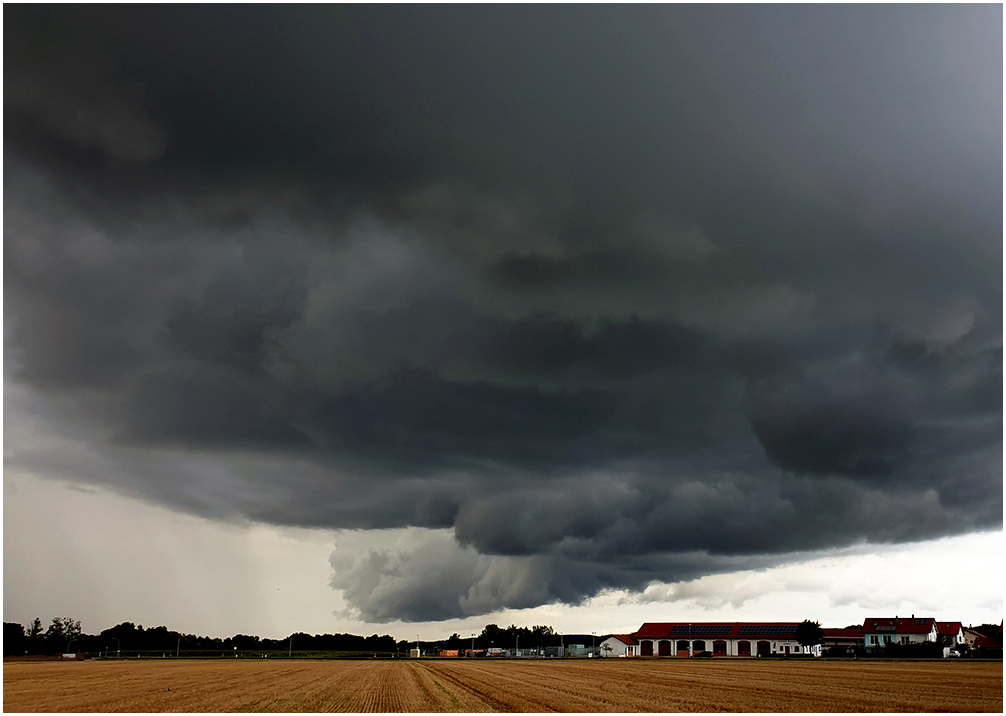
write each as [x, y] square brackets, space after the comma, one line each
[605, 297]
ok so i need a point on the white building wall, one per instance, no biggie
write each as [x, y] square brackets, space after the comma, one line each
[776, 646]
[618, 647]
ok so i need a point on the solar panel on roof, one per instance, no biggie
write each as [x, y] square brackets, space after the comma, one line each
[757, 629]
[702, 629]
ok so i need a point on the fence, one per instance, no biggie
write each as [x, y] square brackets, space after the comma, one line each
[536, 652]
[574, 650]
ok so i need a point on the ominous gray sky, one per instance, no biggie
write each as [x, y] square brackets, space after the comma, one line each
[613, 295]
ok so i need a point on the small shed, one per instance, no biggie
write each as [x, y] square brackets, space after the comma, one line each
[618, 645]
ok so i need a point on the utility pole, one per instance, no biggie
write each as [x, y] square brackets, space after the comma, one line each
[516, 649]
[289, 653]
[472, 653]
[178, 647]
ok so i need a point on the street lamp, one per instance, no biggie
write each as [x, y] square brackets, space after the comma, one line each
[417, 645]
[472, 652]
[516, 649]
[593, 642]
[690, 652]
[235, 652]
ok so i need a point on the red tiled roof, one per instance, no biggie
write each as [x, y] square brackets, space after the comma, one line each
[985, 641]
[624, 638]
[650, 630]
[949, 628]
[754, 631]
[904, 625]
[663, 630]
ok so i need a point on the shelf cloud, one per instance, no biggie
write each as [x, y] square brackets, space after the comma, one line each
[579, 301]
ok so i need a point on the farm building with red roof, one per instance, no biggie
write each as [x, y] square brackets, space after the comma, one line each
[719, 638]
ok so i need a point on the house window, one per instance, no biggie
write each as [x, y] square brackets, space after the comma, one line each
[904, 640]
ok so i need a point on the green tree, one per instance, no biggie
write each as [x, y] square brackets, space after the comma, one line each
[992, 631]
[60, 633]
[14, 639]
[35, 638]
[492, 636]
[809, 633]
[543, 635]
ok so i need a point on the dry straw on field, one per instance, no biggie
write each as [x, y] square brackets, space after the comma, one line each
[486, 685]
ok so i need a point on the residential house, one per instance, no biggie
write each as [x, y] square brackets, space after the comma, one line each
[878, 632]
[984, 646]
[971, 636]
[951, 634]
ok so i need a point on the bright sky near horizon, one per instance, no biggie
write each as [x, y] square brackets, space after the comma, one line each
[105, 559]
[409, 319]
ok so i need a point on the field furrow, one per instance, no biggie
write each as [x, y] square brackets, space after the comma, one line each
[481, 685]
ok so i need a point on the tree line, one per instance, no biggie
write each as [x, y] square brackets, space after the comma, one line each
[512, 637]
[62, 632]
[64, 635]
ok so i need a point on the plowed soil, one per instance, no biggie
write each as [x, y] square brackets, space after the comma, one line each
[487, 685]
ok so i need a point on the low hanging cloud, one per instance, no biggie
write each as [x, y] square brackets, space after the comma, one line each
[423, 572]
[87, 118]
[589, 330]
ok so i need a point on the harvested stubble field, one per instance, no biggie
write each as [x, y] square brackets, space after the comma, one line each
[488, 685]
